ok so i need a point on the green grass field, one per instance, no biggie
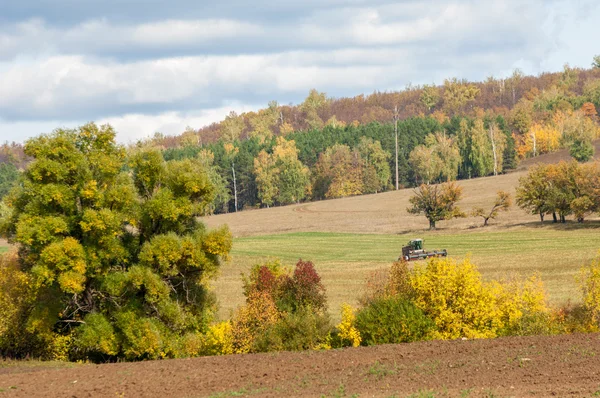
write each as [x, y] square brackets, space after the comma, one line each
[344, 261]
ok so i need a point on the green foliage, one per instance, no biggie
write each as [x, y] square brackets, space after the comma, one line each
[533, 192]
[392, 320]
[581, 150]
[437, 202]
[8, 178]
[303, 329]
[437, 160]
[564, 188]
[280, 176]
[503, 202]
[118, 262]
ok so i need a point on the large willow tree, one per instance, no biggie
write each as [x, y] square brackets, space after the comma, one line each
[116, 260]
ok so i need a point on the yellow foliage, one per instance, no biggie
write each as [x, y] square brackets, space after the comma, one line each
[15, 291]
[462, 305]
[589, 283]
[347, 330]
[538, 140]
[455, 297]
[252, 319]
[218, 339]
[286, 129]
[59, 347]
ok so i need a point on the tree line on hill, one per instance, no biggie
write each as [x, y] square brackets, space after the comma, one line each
[330, 148]
[278, 157]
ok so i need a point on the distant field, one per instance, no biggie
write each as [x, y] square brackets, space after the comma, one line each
[345, 260]
[350, 237]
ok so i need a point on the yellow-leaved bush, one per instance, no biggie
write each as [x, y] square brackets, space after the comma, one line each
[463, 305]
[259, 313]
[589, 283]
[15, 292]
[347, 332]
[218, 339]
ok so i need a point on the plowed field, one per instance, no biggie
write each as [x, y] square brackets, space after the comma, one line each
[517, 366]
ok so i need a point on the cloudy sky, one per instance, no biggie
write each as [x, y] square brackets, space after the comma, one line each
[152, 65]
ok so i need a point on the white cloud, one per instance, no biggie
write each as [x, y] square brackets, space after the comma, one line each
[165, 74]
[132, 127]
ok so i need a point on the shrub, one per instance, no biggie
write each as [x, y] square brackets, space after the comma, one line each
[347, 333]
[399, 280]
[455, 297]
[218, 340]
[251, 320]
[524, 309]
[462, 305]
[264, 277]
[17, 293]
[304, 329]
[303, 289]
[386, 283]
[290, 292]
[392, 320]
[589, 284]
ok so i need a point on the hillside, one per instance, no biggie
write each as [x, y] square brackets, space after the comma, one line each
[384, 212]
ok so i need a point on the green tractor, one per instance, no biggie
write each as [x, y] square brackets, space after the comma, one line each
[414, 251]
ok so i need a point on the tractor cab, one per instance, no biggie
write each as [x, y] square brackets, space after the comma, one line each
[415, 251]
[416, 245]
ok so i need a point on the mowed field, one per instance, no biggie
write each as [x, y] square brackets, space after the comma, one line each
[349, 238]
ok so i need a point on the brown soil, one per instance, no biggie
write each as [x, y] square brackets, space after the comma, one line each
[516, 366]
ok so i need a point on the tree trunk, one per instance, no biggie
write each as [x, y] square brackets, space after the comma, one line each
[554, 218]
[562, 218]
[431, 224]
[485, 221]
[234, 186]
[542, 217]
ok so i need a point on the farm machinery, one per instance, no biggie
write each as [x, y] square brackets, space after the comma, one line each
[414, 251]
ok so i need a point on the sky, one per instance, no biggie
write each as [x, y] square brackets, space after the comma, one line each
[147, 66]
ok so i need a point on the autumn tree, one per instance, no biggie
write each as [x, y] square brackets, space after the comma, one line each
[596, 62]
[311, 106]
[425, 163]
[447, 151]
[293, 177]
[579, 132]
[338, 173]
[502, 203]
[376, 169]
[533, 192]
[232, 127]
[436, 202]
[480, 152]
[458, 93]
[266, 178]
[116, 256]
[281, 176]
[430, 96]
